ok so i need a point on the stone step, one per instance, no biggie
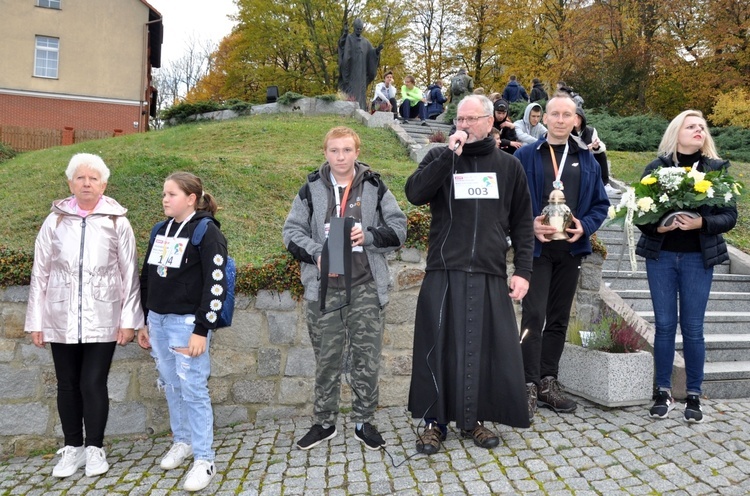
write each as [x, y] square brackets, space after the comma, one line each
[637, 280]
[716, 322]
[718, 301]
[727, 380]
[723, 347]
[612, 262]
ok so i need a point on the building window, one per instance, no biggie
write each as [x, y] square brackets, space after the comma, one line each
[49, 4]
[46, 57]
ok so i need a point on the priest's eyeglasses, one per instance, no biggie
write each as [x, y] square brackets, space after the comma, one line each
[471, 120]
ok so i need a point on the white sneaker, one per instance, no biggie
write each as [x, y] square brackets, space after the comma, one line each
[199, 476]
[176, 455]
[612, 191]
[73, 458]
[96, 461]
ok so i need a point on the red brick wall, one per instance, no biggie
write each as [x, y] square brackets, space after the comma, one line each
[55, 113]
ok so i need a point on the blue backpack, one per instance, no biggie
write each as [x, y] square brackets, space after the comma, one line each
[230, 271]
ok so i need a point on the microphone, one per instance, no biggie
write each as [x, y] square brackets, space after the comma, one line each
[456, 145]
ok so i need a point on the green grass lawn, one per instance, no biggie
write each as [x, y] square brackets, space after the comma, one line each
[253, 166]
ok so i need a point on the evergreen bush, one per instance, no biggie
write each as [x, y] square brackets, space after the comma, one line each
[6, 152]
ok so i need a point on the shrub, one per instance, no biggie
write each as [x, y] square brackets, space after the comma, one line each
[418, 227]
[610, 333]
[182, 111]
[437, 137]
[238, 106]
[733, 142]
[289, 98]
[328, 98]
[732, 109]
[638, 133]
[15, 267]
[6, 152]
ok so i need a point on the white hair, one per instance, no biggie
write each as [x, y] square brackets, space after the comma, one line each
[485, 102]
[90, 161]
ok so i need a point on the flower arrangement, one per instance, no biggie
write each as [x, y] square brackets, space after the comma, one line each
[669, 189]
[610, 333]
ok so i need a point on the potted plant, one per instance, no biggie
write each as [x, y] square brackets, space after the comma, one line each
[611, 369]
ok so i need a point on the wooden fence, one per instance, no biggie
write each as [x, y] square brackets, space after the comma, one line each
[24, 139]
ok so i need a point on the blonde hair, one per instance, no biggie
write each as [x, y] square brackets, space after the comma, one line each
[341, 132]
[668, 145]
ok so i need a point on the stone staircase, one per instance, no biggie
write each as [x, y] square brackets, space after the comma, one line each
[421, 134]
[727, 322]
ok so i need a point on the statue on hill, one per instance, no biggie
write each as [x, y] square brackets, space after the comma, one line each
[358, 63]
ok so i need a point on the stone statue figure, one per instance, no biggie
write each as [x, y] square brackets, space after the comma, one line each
[358, 63]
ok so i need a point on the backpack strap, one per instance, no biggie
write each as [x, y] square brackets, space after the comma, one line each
[200, 231]
[155, 230]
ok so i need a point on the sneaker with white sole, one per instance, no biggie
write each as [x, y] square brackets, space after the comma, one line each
[663, 404]
[693, 411]
[176, 455]
[316, 435]
[73, 458]
[611, 191]
[96, 461]
[199, 476]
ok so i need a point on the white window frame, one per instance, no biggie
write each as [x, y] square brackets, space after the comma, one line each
[49, 4]
[46, 57]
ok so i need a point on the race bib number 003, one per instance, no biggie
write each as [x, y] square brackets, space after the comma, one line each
[476, 186]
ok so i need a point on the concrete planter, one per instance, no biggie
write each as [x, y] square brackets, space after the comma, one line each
[609, 379]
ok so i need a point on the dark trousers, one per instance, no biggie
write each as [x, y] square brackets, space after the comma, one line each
[393, 102]
[418, 110]
[546, 309]
[82, 396]
[601, 159]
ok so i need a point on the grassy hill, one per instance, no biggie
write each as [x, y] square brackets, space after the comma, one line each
[253, 166]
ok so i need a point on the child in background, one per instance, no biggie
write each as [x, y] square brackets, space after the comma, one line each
[183, 288]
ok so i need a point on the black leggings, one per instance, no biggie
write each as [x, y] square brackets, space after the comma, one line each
[82, 396]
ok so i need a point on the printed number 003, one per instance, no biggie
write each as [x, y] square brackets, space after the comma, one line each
[477, 191]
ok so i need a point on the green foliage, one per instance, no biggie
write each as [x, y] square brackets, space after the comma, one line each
[732, 109]
[289, 98]
[733, 142]
[417, 227]
[610, 333]
[182, 111]
[6, 152]
[517, 109]
[15, 267]
[328, 98]
[632, 134]
[279, 272]
[238, 106]
[450, 112]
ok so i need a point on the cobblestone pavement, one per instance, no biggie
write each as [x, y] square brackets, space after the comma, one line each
[593, 451]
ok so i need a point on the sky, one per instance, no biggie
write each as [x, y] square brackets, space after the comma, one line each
[203, 20]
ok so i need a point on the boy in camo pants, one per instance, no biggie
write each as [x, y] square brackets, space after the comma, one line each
[345, 188]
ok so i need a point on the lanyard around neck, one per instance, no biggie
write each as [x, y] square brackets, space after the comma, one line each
[341, 201]
[558, 173]
[166, 246]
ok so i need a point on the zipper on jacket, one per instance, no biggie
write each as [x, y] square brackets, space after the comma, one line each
[80, 282]
[476, 225]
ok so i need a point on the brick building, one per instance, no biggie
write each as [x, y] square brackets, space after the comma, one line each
[76, 70]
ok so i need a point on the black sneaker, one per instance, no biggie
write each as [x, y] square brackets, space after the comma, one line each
[693, 412]
[316, 435]
[483, 437]
[663, 405]
[531, 394]
[429, 441]
[370, 436]
[550, 395]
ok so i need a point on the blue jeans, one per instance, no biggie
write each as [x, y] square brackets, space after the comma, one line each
[672, 274]
[184, 380]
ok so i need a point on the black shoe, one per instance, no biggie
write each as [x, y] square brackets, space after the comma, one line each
[693, 412]
[663, 405]
[429, 441]
[531, 395]
[550, 395]
[370, 436]
[316, 435]
[483, 437]
[425, 123]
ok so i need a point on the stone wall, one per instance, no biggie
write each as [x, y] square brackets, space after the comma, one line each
[261, 368]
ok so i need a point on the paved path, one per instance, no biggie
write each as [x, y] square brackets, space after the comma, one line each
[594, 451]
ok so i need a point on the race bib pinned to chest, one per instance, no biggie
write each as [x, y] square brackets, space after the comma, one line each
[167, 252]
[475, 186]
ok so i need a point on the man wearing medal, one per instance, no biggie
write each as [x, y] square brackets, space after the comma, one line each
[560, 162]
[467, 365]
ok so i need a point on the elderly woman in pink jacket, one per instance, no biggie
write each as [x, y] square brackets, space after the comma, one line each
[84, 299]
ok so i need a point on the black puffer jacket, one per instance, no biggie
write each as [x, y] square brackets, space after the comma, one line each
[716, 220]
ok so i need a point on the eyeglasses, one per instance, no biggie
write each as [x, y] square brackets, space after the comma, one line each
[468, 120]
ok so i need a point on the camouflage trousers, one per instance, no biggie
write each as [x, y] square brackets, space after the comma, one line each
[360, 326]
